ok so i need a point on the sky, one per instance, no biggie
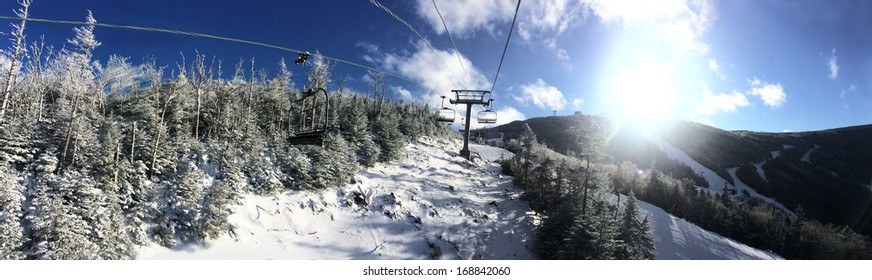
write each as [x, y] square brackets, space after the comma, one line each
[772, 65]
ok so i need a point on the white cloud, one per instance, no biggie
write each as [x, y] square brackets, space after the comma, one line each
[682, 21]
[542, 95]
[845, 92]
[833, 64]
[549, 17]
[712, 104]
[714, 67]
[577, 103]
[771, 94]
[423, 66]
[464, 18]
[404, 93]
[509, 114]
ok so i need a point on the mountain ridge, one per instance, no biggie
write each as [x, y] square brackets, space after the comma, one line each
[831, 184]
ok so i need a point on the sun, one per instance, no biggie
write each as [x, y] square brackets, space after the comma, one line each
[644, 92]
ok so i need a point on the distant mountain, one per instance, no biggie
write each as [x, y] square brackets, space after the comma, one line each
[828, 172]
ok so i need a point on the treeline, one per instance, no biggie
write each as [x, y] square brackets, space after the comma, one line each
[751, 222]
[581, 218]
[98, 158]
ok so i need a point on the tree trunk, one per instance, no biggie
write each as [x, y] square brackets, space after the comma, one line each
[197, 125]
[133, 143]
[16, 54]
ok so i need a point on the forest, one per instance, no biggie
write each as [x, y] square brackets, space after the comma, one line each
[572, 193]
[97, 158]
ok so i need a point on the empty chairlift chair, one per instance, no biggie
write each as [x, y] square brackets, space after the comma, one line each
[444, 114]
[487, 116]
[311, 128]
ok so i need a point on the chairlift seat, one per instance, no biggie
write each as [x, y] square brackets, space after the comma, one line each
[308, 138]
[487, 116]
[445, 115]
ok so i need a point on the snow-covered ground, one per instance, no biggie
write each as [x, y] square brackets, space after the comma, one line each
[430, 204]
[760, 171]
[677, 239]
[716, 183]
[807, 155]
[741, 186]
[776, 153]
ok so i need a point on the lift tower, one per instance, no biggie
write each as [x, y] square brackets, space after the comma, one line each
[469, 97]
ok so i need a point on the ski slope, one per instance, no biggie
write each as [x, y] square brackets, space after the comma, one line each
[431, 204]
[677, 239]
[716, 183]
[806, 157]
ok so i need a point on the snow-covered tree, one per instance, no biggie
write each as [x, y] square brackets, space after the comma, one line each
[11, 198]
[14, 56]
[635, 235]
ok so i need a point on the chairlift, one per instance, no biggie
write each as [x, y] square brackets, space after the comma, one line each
[445, 114]
[307, 133]
[302, 57]
[487, 116]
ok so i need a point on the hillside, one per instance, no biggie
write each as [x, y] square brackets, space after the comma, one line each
[826, 172]
[429, 204]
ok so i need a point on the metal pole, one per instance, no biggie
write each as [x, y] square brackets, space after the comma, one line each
[465, 152]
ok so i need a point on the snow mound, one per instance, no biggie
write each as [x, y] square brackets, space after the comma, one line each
[431, 204]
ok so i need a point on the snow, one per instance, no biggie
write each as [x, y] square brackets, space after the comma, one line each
[805, 157]
[760, 170]
[716, 183]
[677, 239]
[785, 147]
[490, 153]
[775, 153]
[430, 199]
[741, 186]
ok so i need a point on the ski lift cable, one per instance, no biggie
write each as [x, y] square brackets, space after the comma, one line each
[215, 37]
[494, 84]
[432, 49]
[456, 51]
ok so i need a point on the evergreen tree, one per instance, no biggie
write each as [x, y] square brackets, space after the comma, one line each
[635, 235]
[355, 128]
[183, 203]
[219, 199]
[11, 233]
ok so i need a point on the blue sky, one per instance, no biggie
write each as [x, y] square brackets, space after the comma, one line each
[737, 65]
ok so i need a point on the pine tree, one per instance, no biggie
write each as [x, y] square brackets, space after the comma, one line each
[11, 233]
[355, 128]
[183, 203]
[334, 165]
[219, 198]
[635, 235]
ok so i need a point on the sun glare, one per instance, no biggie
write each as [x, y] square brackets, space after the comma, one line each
[645, 90]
